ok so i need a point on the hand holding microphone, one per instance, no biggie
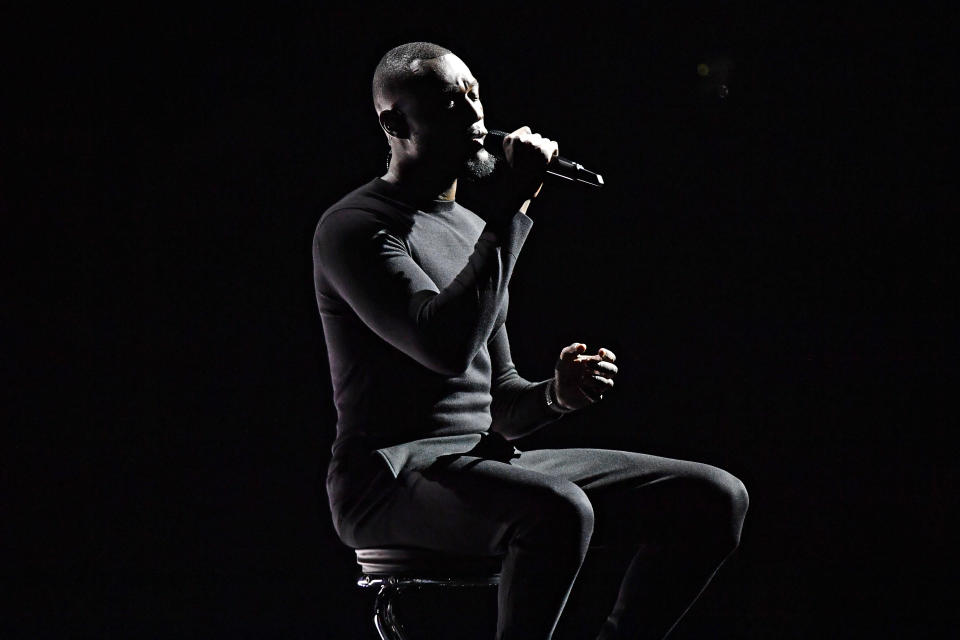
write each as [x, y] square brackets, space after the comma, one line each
[530, 157]
[497, 143]
[529, 154]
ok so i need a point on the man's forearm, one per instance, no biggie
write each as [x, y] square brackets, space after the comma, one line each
[521, 407]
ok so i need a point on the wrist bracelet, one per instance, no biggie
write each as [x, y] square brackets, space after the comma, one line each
[550, 393]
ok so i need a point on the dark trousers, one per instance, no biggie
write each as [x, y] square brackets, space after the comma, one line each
[682, 519]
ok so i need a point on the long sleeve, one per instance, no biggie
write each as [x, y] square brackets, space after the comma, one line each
[371, 268]
[519, 406]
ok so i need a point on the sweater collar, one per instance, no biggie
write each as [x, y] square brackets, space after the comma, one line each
[395, 192]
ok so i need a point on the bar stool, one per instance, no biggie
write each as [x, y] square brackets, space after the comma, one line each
[395, 569]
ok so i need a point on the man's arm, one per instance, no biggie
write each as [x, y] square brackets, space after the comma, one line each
[519, 406]
[374, 273]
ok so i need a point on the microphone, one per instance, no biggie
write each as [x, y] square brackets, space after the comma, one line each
[559, 166]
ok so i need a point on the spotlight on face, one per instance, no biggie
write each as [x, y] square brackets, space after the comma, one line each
[445, 115]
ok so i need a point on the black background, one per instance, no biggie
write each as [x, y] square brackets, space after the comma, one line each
[771, 268]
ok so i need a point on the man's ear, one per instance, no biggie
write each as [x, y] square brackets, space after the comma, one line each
[394, 123]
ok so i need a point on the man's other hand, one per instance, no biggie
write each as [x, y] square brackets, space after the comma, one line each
[583, 379]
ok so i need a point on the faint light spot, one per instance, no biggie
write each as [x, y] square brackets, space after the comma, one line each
[703, 70]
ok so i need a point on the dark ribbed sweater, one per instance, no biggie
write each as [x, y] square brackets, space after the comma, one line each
[413, 300]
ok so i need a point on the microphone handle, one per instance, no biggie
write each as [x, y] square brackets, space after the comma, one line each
[559, 166]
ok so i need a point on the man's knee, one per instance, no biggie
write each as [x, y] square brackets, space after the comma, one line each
[563, 512]
[726, 502]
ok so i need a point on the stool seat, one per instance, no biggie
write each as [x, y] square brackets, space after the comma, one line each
[394, 569]
[411, 561]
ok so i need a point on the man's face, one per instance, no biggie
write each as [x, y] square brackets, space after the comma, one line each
[445, 117]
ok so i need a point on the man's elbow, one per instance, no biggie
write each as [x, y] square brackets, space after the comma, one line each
[447, 362]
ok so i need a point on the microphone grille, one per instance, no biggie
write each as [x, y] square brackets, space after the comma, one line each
[493, 142]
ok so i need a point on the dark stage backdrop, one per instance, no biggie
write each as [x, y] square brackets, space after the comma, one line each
[770, 260]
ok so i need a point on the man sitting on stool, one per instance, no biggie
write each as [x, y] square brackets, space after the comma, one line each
[412, 292]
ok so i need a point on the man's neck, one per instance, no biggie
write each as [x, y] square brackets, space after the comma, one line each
[421, 185]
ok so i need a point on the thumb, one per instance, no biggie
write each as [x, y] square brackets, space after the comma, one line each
[571, 352]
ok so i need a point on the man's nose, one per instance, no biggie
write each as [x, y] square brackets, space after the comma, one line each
[477, 108]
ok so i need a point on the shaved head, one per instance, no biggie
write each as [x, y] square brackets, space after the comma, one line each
[398, 66]
[428, 106]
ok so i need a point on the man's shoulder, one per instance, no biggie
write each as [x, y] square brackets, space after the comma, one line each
[364, 213]
[360, 198]
[366, 205]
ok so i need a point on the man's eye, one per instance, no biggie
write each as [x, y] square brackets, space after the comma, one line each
[451, 104]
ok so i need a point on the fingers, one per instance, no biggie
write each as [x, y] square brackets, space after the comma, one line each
[593, 387]
[509, 139]
[601, 364]
[590, 375]
[571, 352]
[603, 377]
[597, 379]
[603, 368]
[548, 148]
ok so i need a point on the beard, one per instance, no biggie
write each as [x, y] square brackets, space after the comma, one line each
[479, 167]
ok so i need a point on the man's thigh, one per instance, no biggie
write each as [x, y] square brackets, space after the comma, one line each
[466, 505]
[596, 470]
[636, 494]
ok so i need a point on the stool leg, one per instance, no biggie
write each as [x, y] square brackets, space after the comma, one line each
[386, 622]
